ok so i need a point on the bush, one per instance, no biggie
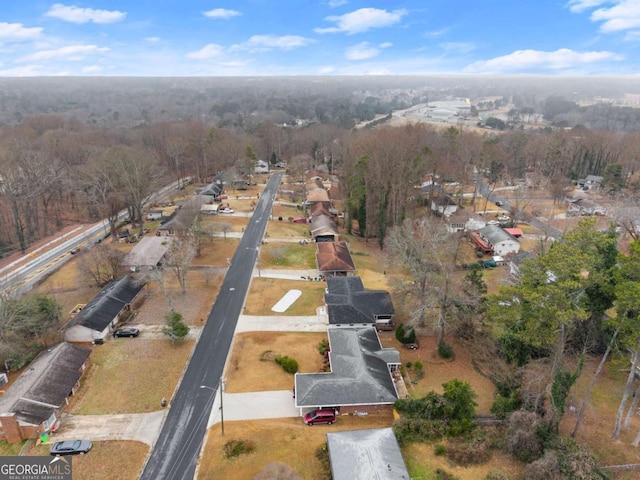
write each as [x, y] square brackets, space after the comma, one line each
[469, 453]
[522, 438]
[446, 351]
[444, 475]
[502, 407]
[546, 468]
[235, 448]
[405, 334]
[323, 346]
[440, 450]
[288, 364]
[413, 429]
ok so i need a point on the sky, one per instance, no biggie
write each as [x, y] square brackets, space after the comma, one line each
[319, 37]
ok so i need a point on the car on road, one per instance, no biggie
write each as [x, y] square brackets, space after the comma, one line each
[126, 332]
[499, 203]
[324, 415]
[493, 222]
[226, 210]
[70, 447]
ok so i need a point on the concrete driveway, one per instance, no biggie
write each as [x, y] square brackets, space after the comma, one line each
[254, 406]
[140, 427]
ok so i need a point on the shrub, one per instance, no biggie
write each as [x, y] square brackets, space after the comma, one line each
[446, 351]
[405, 334]
[322, 454]
[288, 364]
[522, 438]
[502, 407]
[440, 450]
[545, 468]
[444, 475]
[417, 365]
[468, 453]
[412, 429]
[409, 364]
[323, 346]
[235, 448]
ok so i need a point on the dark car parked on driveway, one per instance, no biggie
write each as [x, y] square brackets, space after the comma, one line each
[70, 447]
[126, 332]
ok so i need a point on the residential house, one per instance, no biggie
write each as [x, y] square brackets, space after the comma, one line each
[323, 229]
[361, 376]
[261, 167]
[584, 206]
[464, 221]
[155, 214]
[350, 304]
[185, 215]
[316, 195]
[443, 205]
[593, 181]
[365, 455]
[100, 316]
[213, 190]
[501, 241]
[334, 258]
[33, 404]
[147, 254]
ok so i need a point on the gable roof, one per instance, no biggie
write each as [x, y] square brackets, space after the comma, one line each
[323, 225]
[494, 234]
[320, 208]
[359, 372]
[334, 257]
[317, 195]
[147, 252]
[45, 385]
[348, 302]
[365, 455]
[104, 307]
[212, 189]
[184, 217]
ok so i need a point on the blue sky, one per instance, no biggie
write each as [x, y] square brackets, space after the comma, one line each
[319, 37]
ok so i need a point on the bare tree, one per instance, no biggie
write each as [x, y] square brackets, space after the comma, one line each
[101, 263]
[178, 259]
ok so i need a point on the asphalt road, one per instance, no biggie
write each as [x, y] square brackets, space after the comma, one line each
[176, 452]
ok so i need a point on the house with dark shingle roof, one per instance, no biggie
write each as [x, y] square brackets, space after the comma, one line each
[34, 402]
[365, 455]
[334, 258]
[323, 229]
[350, 304]
[100, 316]
[361, 376]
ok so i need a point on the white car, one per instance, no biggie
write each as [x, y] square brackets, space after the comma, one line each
[493, 222]
[226, 210]
[504, 218]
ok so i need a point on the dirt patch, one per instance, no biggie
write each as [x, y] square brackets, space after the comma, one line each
[251, 368]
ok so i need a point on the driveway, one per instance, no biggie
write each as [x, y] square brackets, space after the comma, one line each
[254, 406]
[139, 427]
[273, 323]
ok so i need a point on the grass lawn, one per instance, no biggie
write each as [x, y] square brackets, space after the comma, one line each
[247, 371]
[214, 222]
[286, 229]
[214, 252]
[10, 449]
[265, 292]
[106, 460]
[130, 375]
[288, 256]
[286, 440]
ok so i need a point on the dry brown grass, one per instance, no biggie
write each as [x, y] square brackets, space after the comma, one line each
[286, 440]
[287, 229]
[130, 375]
[214, 253]
[248, 372]
[265, 292]
[214, 222]
[117, 460]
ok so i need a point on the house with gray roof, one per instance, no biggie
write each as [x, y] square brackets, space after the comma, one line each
[101, 315]
[365, 455]
[34, 402]
[147, 253]
[350, 304]
[502, 242]
[361, 376]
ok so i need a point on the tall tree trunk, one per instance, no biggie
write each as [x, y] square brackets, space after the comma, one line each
[632, 408]
[593, 383]
[627, 391]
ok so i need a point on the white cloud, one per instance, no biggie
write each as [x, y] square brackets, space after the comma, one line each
[152, 39]
[73, 14]
[523, 60]
[624, 15]
[362, 20]
[221, 13]
[578, 6]
[459, 47]
[16, 32]
[386, 45]
[337, 3]
[92, 69]
[207, 52]
[361, 51]
[268, 42]
[69, 53]
[437, 33]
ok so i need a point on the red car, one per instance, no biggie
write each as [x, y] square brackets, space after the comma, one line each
[299, 220]
[223, 197]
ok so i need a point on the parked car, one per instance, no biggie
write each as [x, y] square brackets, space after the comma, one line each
[504, 218]
[126, 332]
[299, 220]
[226, 210]
[222, 197]
[324, 415]
[493, 222]
[70, 447]
[499, 203]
